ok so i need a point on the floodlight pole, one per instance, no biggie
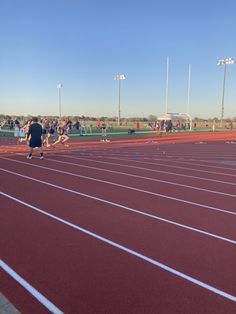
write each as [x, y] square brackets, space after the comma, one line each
[167, 82]
[189, 86]
[119, 77]
[224, 62]
[223, 97]
[59, 86]
[119, 116]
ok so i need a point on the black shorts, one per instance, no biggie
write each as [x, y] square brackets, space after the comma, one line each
[35, 143]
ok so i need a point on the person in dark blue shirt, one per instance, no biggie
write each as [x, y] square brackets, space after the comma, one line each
[34, 137]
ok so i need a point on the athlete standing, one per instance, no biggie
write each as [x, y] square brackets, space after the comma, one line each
[34, 137]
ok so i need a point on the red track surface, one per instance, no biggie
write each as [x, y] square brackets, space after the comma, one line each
[146, 226]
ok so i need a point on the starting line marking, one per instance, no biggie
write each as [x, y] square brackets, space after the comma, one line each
[48, 304]
[130, 251]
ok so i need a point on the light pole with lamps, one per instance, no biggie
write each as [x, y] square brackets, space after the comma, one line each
[224, 62]
[59, 87]
[119, 77]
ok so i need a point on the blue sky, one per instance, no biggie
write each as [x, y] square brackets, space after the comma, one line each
[83, 44]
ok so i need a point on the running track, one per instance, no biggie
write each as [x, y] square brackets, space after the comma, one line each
[132, 226]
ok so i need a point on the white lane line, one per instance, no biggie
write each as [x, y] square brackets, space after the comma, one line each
[140, 177]
[165, 165]
[129, 209]
[186, 168]
[44, 301]
[216, 166]
[181, 159]
[132, 252]
[171, 154]
[123, 186]
[191, 169]
[148, 169]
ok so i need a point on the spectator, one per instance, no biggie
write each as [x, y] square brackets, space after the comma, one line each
[17, 128]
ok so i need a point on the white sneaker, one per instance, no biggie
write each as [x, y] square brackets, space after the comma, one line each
[41, 157]
[29, 157]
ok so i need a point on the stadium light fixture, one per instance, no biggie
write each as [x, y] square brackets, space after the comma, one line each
[224, 62]
[59, 87]
[119, 77]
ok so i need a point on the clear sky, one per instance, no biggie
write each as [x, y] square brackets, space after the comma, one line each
[83, 44]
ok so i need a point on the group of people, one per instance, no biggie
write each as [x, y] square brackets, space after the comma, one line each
[164, 125]
[169, 126]
[38, 134]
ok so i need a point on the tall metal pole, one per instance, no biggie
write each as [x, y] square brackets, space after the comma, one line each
[167, 82]
[224, 62]
[119, 77]
[59, 95]
[223, 98]
[189, 86]
[119, 102]
[59, 86]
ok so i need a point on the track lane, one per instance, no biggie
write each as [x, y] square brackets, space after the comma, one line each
[135, 166]
[135, 211]
[218, 308]
[191, 215]
[145, 173]
[52, 308]
[19, 297]
[176, 158]
[153, 164]
[145, 183]
[210, 197]
[137, 232]
[114, 284]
